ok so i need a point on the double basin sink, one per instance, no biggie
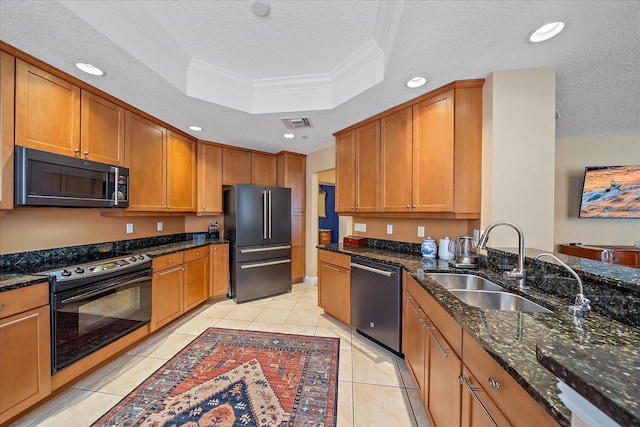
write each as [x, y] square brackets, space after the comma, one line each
[483, 293]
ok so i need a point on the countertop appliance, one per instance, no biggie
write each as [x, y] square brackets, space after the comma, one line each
[376, 302]
[257, 223]
[94, 304]
[48, 179]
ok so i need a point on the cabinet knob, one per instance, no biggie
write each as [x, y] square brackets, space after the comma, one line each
[197, 253]
[76, 150]
[408, 206]
[169, 261]
[86, 153]
[493, 383]
[414, 206]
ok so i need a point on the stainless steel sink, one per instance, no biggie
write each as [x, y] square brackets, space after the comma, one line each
[464, 281]
[495, 300]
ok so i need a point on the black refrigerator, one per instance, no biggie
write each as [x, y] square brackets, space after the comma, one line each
[257, 223]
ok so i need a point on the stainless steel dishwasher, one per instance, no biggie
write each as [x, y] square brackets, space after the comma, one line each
[376, 303]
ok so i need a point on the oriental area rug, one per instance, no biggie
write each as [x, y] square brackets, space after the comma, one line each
[228, 378]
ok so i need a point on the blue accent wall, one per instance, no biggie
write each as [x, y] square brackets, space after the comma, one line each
[331, 221]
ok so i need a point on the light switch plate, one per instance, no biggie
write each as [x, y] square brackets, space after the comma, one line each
[360, 227]
[389, 229]
[420, 231]
[129, 228]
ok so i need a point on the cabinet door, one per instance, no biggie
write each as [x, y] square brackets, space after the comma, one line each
[209, 178]
[334, 291]
[7, 114]
[219, 270]
[346, 173]
[478, 410]
[264, 169]
[368, 168]
[297, 247]
[102, 130]
[444, 393]
[292, 174]
[236, 166]
[145, 157]
[47, 111]
[181, 174]
[25, 361]
[167, 297]
[196, 282]
[414, 342]
[396, 161]
[433, 154]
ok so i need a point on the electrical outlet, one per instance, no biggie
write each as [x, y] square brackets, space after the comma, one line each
[389, 229]
[360, 227]
[420, 231]
[129, 228]
[159, 226]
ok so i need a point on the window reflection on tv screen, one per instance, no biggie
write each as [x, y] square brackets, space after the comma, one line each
[611, 192]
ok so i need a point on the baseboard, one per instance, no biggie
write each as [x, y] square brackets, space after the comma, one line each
[311, 280]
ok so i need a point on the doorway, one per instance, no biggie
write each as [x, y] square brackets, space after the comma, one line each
[328, 220]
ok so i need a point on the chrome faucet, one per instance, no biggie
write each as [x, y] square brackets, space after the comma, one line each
[581, 306]
[519, 272]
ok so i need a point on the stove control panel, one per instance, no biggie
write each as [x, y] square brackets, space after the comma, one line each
[87, 270]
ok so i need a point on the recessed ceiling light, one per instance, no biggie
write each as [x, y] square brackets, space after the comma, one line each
[90, 69]
[416, 82]
[288, 135]
[546, 32]
[195, 128]
[260, 8]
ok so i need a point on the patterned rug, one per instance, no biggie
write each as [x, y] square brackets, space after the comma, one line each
[230, 378]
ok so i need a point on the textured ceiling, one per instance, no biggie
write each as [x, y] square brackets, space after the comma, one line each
[597, 57]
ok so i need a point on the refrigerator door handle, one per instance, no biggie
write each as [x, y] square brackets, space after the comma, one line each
[270, 214]
[265, 264]
[271, 248]
[264, 215]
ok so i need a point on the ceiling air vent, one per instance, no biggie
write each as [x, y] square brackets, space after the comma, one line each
[302, 122]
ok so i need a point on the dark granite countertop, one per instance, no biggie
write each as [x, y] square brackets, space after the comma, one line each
[27, 273]
[511, 338]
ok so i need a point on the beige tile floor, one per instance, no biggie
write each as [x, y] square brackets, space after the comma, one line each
[375, 387]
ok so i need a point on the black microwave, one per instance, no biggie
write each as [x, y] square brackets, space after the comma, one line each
[48, 179]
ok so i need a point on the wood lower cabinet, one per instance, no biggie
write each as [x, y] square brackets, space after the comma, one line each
[196, 277]
[623, 255]
[167, 292]
[358, 169]
[209, 178]
[334, 285]
[415, 341]
[478, 410]
[25, 349]
[219, 261]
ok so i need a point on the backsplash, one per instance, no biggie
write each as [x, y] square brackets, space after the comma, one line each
[49, 259]
[612, 289]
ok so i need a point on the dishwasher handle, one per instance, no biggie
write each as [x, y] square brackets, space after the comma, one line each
[373, 270]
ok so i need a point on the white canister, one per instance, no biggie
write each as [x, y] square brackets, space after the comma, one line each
[429, 248]
[443, 251]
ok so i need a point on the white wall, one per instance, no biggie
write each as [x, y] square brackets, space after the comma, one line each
[572, 155]
[519, 155]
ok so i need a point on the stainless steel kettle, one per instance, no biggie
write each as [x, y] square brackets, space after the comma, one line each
[465, 250]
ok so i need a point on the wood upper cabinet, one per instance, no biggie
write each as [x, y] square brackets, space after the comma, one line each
[181, 173]
[358, 169]
[47, 111]
[334, 285]
[101, 130]
[209, 178]
[145, 157]
[433, 161]
[236, 166]
[219, 270]
[396, 149]
[25, 349]
[264, 169]
[7, 114]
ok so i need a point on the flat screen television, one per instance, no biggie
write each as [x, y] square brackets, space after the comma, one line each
[611, 192]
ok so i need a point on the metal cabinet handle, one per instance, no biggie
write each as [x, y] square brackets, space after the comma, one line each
[330, 267]
[416, 310]
[22, 319]
[473, 390]
[444, 351]
[493, 383]
[373, 270]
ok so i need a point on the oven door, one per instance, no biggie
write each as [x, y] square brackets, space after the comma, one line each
[86, 319]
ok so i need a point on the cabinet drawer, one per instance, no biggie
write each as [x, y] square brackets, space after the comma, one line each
[447, 325]
[509, 396]
[23, 299]
[167, 261]
[196, 253]
[334, 258]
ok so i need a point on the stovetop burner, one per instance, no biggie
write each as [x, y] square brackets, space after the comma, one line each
[97, 270]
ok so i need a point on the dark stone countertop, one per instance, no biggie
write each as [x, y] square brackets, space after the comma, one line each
[29, 276]
[511, 338]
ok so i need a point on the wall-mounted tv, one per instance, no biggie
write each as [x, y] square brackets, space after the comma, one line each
[611, 192]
